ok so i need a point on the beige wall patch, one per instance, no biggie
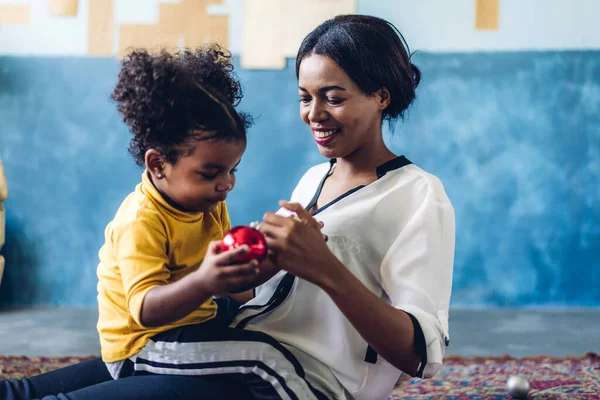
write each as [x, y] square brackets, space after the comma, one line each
[101, 27]
[269, 38]
[307, 15]
[66, 8]
[487, 13]
[262, 43]
[150, 37]
[14, 14]
[179, 24]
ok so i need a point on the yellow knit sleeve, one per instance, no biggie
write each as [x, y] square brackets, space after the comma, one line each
[141, 249]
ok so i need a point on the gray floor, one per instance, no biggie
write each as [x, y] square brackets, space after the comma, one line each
[519, 333]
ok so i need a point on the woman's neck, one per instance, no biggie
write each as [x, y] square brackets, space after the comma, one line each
[364, 160]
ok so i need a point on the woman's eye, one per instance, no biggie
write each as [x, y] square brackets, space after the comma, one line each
[335, 101]
[233, 171]
[304, 100]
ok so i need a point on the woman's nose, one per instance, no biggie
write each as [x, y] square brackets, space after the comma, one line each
[317, 112]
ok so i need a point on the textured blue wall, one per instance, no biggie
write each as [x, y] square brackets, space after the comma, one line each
[515, 137]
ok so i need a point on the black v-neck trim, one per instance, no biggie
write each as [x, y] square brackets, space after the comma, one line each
[315, 198]
[337, 199]
[381, 170]
[391, 165]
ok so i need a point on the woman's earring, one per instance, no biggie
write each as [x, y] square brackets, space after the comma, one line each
[159, 175]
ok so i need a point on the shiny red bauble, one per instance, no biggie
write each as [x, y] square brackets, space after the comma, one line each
[252, 237]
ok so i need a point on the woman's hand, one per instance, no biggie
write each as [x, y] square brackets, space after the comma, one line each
[298, 245]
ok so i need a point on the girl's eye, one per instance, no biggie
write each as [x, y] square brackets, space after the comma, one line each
[233, 171]
[207, 176]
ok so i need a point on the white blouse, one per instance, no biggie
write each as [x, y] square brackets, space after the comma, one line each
[397, 236]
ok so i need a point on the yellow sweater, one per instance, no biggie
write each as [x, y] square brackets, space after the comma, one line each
[149, 243]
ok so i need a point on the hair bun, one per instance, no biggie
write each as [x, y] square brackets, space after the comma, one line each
[416, 75]
[146, 90]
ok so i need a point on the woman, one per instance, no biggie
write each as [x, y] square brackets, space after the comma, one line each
[373, 300]
[369, 305]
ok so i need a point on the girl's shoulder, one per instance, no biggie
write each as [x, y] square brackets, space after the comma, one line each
[137, 209]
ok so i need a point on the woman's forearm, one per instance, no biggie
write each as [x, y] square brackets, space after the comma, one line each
[389, 331]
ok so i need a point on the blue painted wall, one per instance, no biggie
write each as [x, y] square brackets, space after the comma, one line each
[515, 137]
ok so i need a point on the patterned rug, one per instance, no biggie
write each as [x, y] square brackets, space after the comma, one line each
[485, 378]
[460, 378]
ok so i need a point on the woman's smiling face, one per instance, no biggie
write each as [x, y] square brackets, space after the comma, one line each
[342, 117]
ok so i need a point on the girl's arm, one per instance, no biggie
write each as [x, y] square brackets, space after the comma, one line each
[151, 298]
[216, 275]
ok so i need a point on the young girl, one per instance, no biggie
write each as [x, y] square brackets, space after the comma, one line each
[159, 268]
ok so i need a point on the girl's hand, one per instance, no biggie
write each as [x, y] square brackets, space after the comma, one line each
[298, 245]
[219, 273]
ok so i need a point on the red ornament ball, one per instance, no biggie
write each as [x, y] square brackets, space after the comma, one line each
[245, 235]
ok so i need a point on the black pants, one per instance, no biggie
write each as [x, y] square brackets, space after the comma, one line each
[90, 380]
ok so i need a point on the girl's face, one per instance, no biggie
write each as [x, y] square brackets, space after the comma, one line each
[203, 175]
[342, 118]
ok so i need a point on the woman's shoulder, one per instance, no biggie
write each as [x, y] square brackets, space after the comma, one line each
[421, 184]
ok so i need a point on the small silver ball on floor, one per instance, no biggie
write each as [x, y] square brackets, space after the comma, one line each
[518, 387]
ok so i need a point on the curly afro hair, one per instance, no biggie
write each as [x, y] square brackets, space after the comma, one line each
[170, 100]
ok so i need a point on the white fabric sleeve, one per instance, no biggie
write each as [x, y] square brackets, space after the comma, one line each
[416, 274]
